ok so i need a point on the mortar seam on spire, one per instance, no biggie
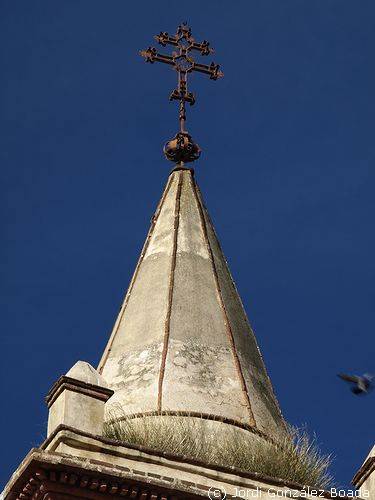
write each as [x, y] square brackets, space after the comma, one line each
[276, 402]
[155, 218]
[228, 327]
[167, 323]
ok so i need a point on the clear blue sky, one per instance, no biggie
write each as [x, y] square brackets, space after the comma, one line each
[287, 170]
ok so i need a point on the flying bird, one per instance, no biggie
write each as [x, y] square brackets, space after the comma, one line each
[360, 384]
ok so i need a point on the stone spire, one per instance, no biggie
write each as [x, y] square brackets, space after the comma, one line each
[182, 343]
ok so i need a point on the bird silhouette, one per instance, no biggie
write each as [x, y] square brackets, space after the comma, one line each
[360, 384]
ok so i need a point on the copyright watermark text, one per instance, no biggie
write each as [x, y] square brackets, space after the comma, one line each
[220, 493]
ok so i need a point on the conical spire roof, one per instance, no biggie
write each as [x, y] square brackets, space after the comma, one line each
[182, 343]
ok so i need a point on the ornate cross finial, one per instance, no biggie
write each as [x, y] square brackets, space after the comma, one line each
[182, 149]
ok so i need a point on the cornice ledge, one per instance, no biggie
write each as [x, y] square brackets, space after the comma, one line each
[75, 385]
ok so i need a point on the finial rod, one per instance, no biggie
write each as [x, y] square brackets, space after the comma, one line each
[182, 148]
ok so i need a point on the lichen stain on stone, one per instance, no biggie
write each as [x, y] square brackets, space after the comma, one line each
[139, 368]
[200, 366]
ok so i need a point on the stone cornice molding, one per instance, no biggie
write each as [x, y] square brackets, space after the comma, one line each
[75, 385]
[52, 476]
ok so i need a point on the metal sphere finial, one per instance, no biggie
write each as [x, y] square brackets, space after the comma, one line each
[182, 148]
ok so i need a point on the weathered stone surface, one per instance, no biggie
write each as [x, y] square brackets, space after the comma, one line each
[86, 373]
[182, 341]
[77, 410]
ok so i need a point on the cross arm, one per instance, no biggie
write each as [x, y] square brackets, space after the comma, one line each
[212, 70]
[165, 38]
[151, 55]
[203, 47]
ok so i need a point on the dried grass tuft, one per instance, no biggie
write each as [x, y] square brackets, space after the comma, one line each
[296, 457]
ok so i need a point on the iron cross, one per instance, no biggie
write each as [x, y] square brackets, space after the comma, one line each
[183, 62]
